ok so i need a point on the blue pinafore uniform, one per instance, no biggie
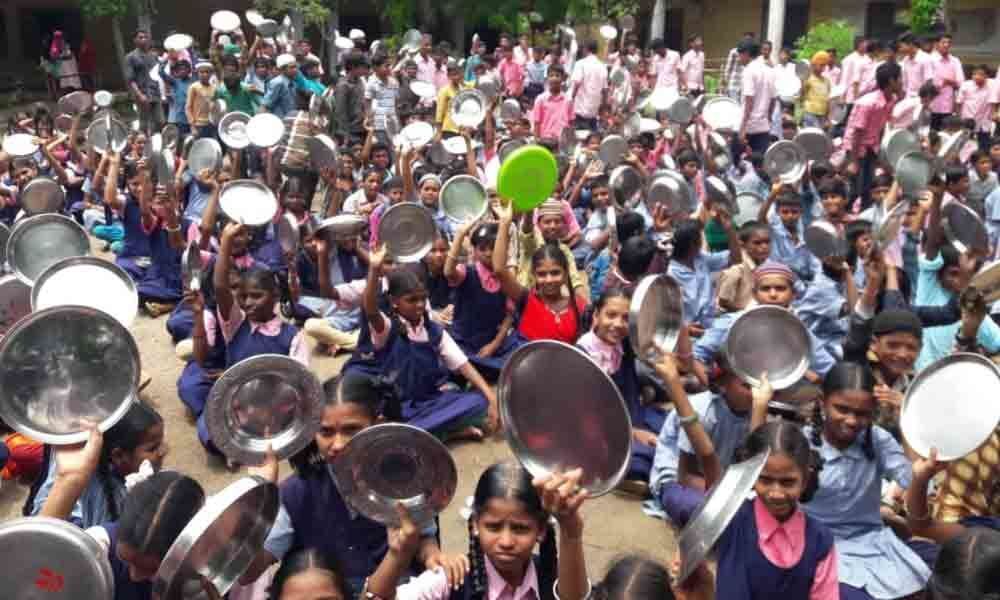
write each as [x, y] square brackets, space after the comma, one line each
[648, 417]
[125, 588]
[478, 315]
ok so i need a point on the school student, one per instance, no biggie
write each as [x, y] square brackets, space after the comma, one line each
[735, 286]
[788, 243]
[693, 269]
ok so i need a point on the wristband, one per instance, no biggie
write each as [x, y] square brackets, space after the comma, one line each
[689, 420]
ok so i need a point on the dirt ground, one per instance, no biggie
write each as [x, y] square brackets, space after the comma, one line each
[615, 524]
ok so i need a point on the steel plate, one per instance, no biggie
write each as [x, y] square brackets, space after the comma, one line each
[178, 41]
[75, 103]
[669, 192]
[963, 228]
[408, 230]
[52, 559]
[391, 463]
[4, 236]
[534, 406]
[97, 135]
[782, 333]
[220, 541]
[722, 114]
[225, 20]
[64, 370]
[20, 144]
[626, 183]
[952, 144]
[785, 161]
[507, 148]
[489, 86]
[613, 150]
[248, 201]
[468, 108]
[815, 142]
[418, 134]
[15, 302]
[206, 153]
[40, 241]
[455, 145]
[288, 233]
[342, 227]
[823, 241]
[655, 317]
[953, 405]
[42, 195]
[681, 110]
[191, 269]
[88, 281]
[262, 400]
[233, 130]
[802, 69]
[423, 89]
[265, 130]
[103, 98]
[987, 282]
[913, 171]
[721, 504]
[322, 151]
[721, 193]
[267, 28]
[463, 199]
[898, 143]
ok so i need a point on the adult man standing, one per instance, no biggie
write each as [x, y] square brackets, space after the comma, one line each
[426, 66]
[914, 63]
[871, 112]
[948, 76]
[666, 65]
[693, 67]
[732, 74]
[590, 81]
[758, 96]
[854, 65]
[145, 90]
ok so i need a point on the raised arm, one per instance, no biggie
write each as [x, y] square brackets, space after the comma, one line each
[668, 370]
[369, 301]
[220, 276]
[508, 281]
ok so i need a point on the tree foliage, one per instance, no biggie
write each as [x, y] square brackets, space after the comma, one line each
[824, 35]
[314, 12]
[95, 9]
[924, 14]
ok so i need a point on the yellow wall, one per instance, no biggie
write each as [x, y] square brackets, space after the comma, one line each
[724, 21]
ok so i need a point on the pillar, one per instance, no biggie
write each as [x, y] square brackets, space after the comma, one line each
[659, 28]
[775, 25]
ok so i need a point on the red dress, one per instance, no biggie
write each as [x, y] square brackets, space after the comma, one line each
[538, 322]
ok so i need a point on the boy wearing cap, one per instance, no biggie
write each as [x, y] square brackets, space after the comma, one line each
[199, 101]
[552, 221]
[816, 93]
[280, 96]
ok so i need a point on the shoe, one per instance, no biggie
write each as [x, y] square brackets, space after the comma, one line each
[156, 309]
[634, 487]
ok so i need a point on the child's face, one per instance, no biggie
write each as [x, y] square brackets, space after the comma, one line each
[611, 321]
[951, 278]
[878, 194]
[435, 258]
[508, 534]
[411, 306]
[774, 290]
[429, 193]
[204, 75]
[779, 486]
[847, 414]
[134, 186]
[600, 196]
[261, 71]
[738, 394]
[313, 583]
[979, 76]
[790, 213]
[960, 187]
[549, 278]
[395, 195]
[983, 166]
[257, 302]
[863, 245]
[380, 159]
[537, 55]
[758, 246]
[295, 203]
[555, 83]
[897, 352]
[372, 184]
[24, 174]
[551, 227]
[455, 77]
[689, 170]
[339, 424]
[151, 447]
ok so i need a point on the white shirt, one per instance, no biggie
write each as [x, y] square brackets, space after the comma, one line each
[590, 77]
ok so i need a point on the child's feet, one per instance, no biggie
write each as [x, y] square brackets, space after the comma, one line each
[157, 309]
[473, 434]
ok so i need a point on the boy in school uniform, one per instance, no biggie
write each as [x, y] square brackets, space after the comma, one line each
[977, 101]
[788, 244]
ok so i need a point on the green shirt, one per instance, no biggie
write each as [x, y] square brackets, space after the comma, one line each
[243, 100]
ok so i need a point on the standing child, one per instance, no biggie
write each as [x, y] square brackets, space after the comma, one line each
[179, 80]
[199, 101]
[788, 244]
[977, 101]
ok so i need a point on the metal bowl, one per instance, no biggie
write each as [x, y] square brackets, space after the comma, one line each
[626, 183]
[64, 370]
[913, 171]
[391, 463]
[233, 130]
[15, 302]
[20, 144]
[53, 559]
[265, 130]
[655, 317]
[953, 405]
[612, 151]
[824, 241]
[408, 230]
[898, 143]
[248, 201]
[40, 241]
[534, 406]
[721, 504]
[88, 281]
[97, 135]
[963, 228]
[342, 227]
[264, 400]
[786, 340]
[42, 195]
[722, 114]
[815, 142]
[220, 541]
[785, 161]
[463, 199]
[468, 108]
[75, 103]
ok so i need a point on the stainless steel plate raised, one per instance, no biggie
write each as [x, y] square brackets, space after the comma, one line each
[722, 114]
[392, 463]
[418, 134]
[408, 230]
[267, 28]
[489, 86]
[463, 199]
[815, 142]
[802, 69]
[265, 130]
[898, 143]
[4, 236]
[248, 201]
[103, 98]
[225, 20]
[64, 370]
[220, 541]
[953, 405]
[534, 405]
[507, 148]
[15, 302]
[721, 504]
[178, 41]
[75, 103]
[824, 241]
[468, 108]
[342, 227]
[613, 150]
[97, 135]
[423, 89]
[681, 110]
[42, 195]
[206, 153]
[626, 183]
[749, 205]
[721, 193]
[264, 400]
[655, 317]
[322, 151]
[411, 39]
[951, 145]
[40, 241]
[913, 171]
[88, 281]
[53, 559]
[785, 161]
[20, 144]
[963, 228]
[669, 192]
[789, 347]
[987, 282]
[191, 269]
[233, 130]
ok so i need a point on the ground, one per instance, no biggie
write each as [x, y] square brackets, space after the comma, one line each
[615, 524]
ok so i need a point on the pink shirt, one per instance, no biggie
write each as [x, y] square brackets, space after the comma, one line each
[758, 84]
[607, 356]
[448, 351]
[426, 68]
[299, 351]
[441, 78]
[666, 68]
[551, 115]
[512, 75]
[977, 104]
[782, 544]
[693, 67]
[944, 68]
[590, 77]
[868, 119]
[916, 71]
[433, 585]
[833, 74]
[866, 80]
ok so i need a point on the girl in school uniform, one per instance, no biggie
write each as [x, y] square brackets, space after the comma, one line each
[693, 269]
[856, 456]
[549, 309]
[134, 440]
[440, 295]
[208, 359]
[421, 356]
[482, 325]
[314, 516]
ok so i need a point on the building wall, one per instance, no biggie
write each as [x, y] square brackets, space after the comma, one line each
[723, 23]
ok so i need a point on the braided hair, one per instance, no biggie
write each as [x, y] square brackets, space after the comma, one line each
[845, 377]
[510, 481]
[635, 577]
[552, 251]
[157, 510]
[785, 437]
[968, 567]
[401, 283]
[307, 559]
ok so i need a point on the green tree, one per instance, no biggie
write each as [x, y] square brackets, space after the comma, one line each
[826, 34]
[117, 10]
[924, 14]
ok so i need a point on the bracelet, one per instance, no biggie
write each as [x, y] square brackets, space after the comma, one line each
[689, 420]
[174, 229]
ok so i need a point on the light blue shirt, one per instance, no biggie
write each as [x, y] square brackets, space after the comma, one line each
[793, 253]
[280, 97]
[940, 341]
[197, 198]
[869, 554]
[726, 428]
[821, 309]
[91, 509]
[696, 284]
[179, 91]
[992, 205]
